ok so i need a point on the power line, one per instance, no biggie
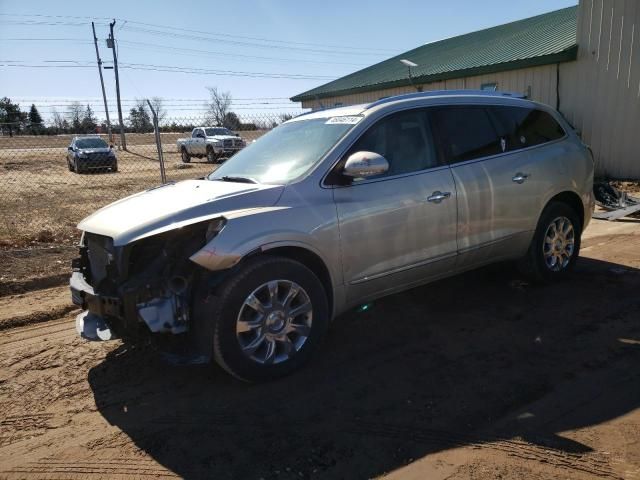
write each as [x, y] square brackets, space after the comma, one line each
[211, 35]
[201, 38]
[177, 69]
[198, 52]
[81, 100]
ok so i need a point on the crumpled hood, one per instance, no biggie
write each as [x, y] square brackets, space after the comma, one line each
[175, 205]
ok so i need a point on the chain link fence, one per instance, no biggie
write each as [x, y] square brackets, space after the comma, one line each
[48, 188]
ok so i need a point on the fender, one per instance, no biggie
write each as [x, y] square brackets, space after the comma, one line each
[264, 229]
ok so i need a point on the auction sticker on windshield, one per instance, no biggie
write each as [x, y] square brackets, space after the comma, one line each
[352, 120]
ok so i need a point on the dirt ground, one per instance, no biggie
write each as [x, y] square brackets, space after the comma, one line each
[481, 376]
[42, 201]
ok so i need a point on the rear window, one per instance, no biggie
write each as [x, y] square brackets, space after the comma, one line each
[525, 127]
[465, 133]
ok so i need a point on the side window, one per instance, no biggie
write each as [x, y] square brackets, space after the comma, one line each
[525, 127]
[465, 133]
[195, 133]
[402, 138]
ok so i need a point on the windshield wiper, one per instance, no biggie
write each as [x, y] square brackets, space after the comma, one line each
[228, 178]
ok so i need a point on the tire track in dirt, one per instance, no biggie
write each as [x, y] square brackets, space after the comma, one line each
[586, 463]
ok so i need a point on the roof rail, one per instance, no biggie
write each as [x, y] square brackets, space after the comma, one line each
[437, 93]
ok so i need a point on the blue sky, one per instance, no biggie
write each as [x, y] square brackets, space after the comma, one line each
[317, 41]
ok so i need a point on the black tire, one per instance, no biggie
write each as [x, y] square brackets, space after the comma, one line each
[217, 316]
[186, 158]
[69, 165]
[114, 169]
[76, 167]
[534, 265]
[211, 156]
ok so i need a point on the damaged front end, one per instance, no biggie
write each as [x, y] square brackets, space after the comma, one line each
[140, 288]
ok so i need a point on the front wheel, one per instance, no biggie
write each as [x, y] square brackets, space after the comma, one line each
[186, 158]
[211, 156]
[555, 245]
[268, 318]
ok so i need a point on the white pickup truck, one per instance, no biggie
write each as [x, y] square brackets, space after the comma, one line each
[214, 143]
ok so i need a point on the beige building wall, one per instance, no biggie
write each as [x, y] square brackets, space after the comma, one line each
[540, 82]
[600, 93]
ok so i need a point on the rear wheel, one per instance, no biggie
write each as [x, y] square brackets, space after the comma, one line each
[555, 245]
[186, 158]
[114, 169]
[267, 319]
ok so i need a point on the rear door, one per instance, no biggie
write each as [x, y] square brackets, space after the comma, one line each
[498, 178]
[397, 229]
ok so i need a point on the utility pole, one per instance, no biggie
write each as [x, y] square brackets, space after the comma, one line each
[111, 43]
[104, 95]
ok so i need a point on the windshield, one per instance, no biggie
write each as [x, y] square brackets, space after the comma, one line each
[91, 143]
[286, 152]
[211, 132]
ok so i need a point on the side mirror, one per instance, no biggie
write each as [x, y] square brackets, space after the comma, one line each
[111, 146]
[70, 148]
[365, 164]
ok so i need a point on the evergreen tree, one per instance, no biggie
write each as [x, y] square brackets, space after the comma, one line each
[88, 123]
[140, 120]
[34, 116]
[11, 118]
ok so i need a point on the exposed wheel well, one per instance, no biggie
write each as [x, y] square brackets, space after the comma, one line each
[310, 260]
[573, 200]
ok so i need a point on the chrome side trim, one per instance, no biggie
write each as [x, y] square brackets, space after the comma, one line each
[493, 242]
[403, 269]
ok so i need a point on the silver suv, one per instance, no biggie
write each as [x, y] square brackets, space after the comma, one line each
[328, 211]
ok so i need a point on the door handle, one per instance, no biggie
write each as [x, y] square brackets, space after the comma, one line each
[438, 196]
[520, 177]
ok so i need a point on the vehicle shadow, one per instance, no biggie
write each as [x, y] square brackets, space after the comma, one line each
[482, 359]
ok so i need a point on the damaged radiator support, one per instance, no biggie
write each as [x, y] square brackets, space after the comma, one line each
[166, 314]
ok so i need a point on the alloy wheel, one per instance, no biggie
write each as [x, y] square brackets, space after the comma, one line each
[559, 244]
[274, 322]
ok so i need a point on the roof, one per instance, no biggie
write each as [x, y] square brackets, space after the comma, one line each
[540, 40]
[462, 96]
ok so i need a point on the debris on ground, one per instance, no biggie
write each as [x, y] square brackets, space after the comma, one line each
[617, 203]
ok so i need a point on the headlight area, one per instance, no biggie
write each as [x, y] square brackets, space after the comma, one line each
[148, 282]
[162, 275]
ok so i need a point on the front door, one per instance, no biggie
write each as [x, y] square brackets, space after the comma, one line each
[397, 229]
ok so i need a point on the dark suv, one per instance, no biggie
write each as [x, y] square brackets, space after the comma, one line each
[91, 153]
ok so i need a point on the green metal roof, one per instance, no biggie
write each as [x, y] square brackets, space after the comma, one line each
[540, 40]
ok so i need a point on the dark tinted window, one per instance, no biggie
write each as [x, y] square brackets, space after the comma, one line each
[525, 127]
[403, 139]
[91, 143]
[465, 133]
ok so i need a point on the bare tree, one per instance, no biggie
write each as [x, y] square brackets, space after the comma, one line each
[218, 106]
[75, 114]
[58, 120]
[158, 106]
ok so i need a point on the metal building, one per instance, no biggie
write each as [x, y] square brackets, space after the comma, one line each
[582, 60]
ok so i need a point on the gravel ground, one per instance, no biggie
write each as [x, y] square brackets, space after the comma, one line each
[481, 376]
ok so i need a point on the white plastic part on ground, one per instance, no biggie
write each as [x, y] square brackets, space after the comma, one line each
[93, 327]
